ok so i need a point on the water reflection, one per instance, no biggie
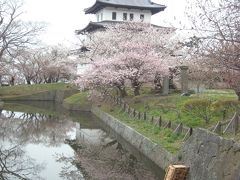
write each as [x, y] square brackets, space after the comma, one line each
[101, 157]
[30, 141]
[60, 144]
[35, 128]
[109, 161]
[15, 164]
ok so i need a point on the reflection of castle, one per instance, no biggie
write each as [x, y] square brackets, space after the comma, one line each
[91, 136]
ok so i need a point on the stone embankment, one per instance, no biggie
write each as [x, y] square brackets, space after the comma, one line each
[153, 151]
[55, 95]
[209, 156]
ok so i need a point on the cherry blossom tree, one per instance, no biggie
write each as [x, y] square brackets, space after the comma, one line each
[217, 24]
[56, 65]
[38, 65]
[127, 52]
[27, 63]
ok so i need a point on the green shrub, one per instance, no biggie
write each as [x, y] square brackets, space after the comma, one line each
[226, 106]
[201, 108]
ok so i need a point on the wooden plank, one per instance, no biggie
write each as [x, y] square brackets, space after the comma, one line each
[177, 172]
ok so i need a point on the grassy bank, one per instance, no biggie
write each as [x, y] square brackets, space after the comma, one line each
[171, 107]
[78, 101]
[23, 90]
[163, 137]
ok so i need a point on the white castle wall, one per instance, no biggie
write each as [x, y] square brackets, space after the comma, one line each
[106, 14]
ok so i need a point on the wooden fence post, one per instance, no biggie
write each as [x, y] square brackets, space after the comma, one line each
[152, 119]
[236, 124]
[160, 121]
[191, 131]
[168, 125]
[139, 115]
[134, 112]
[145, 116]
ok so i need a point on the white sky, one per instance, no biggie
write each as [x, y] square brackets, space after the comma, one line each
[65, 16]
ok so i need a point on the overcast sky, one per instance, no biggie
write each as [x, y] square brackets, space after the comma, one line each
[65, 16]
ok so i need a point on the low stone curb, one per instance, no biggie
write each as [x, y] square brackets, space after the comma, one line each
[151, 150]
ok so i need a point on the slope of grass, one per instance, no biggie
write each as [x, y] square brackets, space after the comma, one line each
[22, 90]
[78, 99]
[163, 137]
[171, 107]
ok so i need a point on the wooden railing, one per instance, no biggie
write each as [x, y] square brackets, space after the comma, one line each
[157, 121]
[232, 126]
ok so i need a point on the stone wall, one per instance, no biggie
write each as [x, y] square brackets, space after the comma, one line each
[151, 150]
[211, 157]
[57, 95]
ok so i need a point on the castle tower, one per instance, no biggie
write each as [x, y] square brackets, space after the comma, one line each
[110, 11]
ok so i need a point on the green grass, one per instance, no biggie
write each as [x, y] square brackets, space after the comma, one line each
[171, 107]
[163, 137]
[23, 90]
[78, 99]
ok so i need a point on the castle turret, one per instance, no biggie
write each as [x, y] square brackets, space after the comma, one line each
[119, 11]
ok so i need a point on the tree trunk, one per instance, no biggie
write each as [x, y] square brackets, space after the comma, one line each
[49, 80]
[28, 82]
[238, 94]
[122, 91]
[136, 85]
[157, 83]
[136, 90]
[12, 81]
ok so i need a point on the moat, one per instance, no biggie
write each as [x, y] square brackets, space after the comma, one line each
[41, 140]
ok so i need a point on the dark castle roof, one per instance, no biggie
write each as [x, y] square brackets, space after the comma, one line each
[92, 26]
[95, 26]
[133, 4]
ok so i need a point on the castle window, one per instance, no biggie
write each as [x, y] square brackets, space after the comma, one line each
[98, 18]
[142, 17]
[114, 15]
[101, 16]
[131, 17]
[125, 16]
